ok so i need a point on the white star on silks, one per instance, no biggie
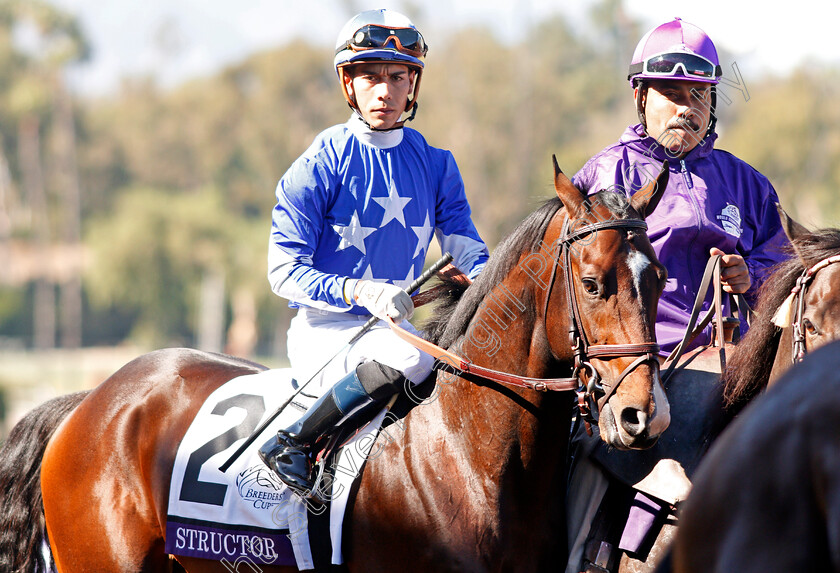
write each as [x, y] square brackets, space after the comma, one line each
[393, 205]
[368, 275]
[353, 235]
[423, 233]
[404, 284]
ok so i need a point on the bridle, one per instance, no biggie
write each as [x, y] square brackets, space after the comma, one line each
[453, 364]
[583, 351]
[798, 294]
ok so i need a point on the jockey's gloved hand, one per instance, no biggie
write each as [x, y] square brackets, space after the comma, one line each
[384, 299]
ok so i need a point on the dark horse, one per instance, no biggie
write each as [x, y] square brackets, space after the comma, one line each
[471, 482]
[766, 498]
[751, 508]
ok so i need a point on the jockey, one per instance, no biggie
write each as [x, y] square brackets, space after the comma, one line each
[351, 228]
[714, 204]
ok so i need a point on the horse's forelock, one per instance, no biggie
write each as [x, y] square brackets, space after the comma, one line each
[618, 205]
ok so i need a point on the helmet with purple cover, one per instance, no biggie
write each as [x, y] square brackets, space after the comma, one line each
[675, 50]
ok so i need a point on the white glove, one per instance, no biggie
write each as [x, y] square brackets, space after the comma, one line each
[384, 299]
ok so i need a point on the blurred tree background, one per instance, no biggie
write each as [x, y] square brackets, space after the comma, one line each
[143, 216]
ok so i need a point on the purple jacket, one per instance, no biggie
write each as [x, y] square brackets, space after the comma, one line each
[713, 199]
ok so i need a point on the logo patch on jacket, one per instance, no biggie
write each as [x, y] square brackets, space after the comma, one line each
[730, 218]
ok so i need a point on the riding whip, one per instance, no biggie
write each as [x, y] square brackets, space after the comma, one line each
[421, 280]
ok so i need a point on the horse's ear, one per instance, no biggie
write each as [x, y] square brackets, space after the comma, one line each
[570, 195]
[645, 200]
[792, 229]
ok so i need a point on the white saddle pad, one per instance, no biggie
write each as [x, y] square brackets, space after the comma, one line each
[246, 514]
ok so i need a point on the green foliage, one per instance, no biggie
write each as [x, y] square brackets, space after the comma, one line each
[13, 321]
[149, 255]
[179, 183]
[789, 130]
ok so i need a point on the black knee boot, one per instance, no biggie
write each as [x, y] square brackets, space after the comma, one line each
[289, 453]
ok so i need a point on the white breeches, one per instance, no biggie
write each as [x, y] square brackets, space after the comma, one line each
[314, 336]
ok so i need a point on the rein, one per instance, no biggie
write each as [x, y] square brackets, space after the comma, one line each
[583, 351]
[798, 294]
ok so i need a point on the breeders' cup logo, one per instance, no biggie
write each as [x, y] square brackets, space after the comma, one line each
[258, 486]
[730, 218]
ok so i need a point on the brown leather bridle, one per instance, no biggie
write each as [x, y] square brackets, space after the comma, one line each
[645, 352]
[798, 292]
[583, 351]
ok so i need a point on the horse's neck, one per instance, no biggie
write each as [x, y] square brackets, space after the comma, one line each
[522, 428]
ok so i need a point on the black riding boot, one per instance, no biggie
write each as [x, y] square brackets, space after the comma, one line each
[288, 454]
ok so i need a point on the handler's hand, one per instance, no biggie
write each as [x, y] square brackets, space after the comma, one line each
[734, 275]
[384, 299]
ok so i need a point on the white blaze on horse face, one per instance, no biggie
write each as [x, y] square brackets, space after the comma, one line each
[662, 413]
[638, 263]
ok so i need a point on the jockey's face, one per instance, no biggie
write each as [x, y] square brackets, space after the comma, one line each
[677, 113]
[381, 91]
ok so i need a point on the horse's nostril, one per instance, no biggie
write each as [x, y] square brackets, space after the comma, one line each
[634, 422]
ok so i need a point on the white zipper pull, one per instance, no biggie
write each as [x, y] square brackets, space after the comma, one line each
[686, 174]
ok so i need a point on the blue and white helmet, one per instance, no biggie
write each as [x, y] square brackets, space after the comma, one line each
[380, 36]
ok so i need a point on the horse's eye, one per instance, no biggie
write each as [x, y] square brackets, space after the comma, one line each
[590, 286]
[809, 327]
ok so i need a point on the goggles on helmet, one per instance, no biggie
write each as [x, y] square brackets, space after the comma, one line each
[667, 64]
[406, 40]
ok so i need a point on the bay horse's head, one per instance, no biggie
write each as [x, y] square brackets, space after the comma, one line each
[797, 311]
[813, 307]
[611, 290]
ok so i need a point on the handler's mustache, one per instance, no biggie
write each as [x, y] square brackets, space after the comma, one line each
[684, 123]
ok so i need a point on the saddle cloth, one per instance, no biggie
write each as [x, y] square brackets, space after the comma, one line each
[247, 514]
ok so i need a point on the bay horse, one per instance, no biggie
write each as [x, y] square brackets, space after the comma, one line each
[768, 350]
[475, 480]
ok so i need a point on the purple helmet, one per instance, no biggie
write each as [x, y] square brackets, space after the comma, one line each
[676, 50]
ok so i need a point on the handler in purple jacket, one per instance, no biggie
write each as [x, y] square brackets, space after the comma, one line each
[714, 203]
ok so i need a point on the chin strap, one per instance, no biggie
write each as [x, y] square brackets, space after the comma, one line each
[411, 105]
[398, 125]
[640, 108]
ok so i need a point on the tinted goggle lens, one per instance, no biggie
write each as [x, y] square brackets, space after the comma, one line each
[692, 66]
[406, 40]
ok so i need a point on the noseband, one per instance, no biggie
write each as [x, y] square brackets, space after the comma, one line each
[798, 292]
[583, 351]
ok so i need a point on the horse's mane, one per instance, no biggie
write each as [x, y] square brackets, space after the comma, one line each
[456, 309]
[748, 368]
